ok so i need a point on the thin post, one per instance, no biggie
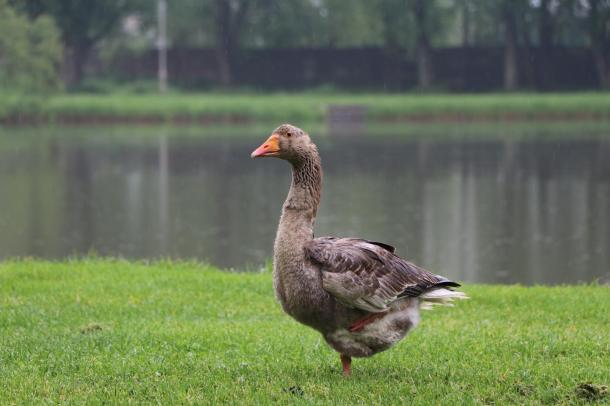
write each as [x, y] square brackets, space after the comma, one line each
[162, 45]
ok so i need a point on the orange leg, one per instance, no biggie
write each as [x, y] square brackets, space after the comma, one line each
[360, 324]
[346, 361]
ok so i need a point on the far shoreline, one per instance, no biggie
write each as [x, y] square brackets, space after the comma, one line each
[178, 120]
[245, 108]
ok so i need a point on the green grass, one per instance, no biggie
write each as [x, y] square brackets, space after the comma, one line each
[108, 331]
[306, 106]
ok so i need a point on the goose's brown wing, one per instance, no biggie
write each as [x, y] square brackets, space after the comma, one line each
[367, 275]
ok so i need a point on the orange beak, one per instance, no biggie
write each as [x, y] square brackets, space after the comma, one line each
[271, 147]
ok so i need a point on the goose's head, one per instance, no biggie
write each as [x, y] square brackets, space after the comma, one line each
[286, 142]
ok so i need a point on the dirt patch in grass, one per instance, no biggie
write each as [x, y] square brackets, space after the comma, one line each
[91, 328]
[591, 391]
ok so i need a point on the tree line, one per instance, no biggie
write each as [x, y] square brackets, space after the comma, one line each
[415, 26]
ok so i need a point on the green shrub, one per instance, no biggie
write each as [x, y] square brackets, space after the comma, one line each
[30, 53]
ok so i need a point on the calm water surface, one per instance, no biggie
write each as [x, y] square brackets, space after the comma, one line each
[527, 211]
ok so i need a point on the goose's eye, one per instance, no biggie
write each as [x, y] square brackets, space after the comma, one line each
[288, 134]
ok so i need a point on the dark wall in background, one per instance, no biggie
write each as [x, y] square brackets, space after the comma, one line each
[456, 69]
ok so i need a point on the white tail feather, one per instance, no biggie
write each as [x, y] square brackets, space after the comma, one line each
[443, 297]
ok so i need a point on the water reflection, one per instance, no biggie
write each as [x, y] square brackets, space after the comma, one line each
[484, 211]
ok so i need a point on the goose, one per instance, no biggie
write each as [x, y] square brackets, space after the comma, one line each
[358, 294]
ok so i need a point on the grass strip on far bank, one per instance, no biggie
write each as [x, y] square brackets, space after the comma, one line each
[235, 107]
[112, 331]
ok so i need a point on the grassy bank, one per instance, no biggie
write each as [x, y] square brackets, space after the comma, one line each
[99, 331]
[221, 107]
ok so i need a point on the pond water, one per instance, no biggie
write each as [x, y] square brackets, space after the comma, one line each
[477, 209]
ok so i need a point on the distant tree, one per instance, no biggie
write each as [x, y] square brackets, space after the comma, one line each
[219, 24]
[290, 23]
[286, 24]
[421, 10]
[324, 23]
[508, 13]
[82, 24]
[502, 23]
[547, 14]
[465, 9]
[395, 20]
[418, 26]
[545, 24]
[353, 23]
[598, 21]
[190, 23]
[229, 20]
[30, 52]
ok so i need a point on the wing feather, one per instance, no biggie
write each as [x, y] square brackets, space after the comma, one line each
[368, 275]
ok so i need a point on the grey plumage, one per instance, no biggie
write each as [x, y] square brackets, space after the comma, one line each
[368, 276]
[358, 294]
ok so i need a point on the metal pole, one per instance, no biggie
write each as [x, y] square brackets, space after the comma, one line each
[162, 44]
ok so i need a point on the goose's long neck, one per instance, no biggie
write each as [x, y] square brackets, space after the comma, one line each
[300, 208]
[297, 286]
